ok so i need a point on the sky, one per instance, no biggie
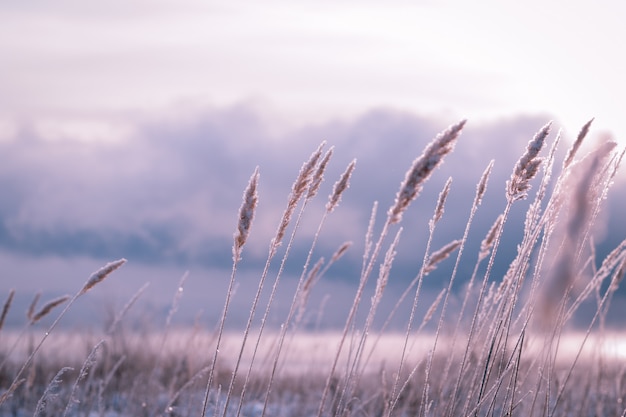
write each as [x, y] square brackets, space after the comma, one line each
[130, 128]
[89, 70]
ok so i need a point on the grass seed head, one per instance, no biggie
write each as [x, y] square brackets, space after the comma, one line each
[319, 174]
[441, 255]
[6, 307]
[101, 274]
[487, 243]
[482, 184]
[31, 308]
[441, 202]
[579, 140]
[246, 214]
[47, 308]
[422, 168]
[385, 269]
[301, 184]
[433, 307]
[341, 251]
[527, 167]
[340, 187]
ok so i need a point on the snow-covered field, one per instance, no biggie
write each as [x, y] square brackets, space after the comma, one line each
[135, 374]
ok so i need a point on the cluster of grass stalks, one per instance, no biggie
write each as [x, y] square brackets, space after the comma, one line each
[499, 354]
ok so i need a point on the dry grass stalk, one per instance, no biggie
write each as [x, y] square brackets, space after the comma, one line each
[576, 145]
[299, 187]
[431, 310]
[525, 170]
[50, 391]
[302, 183]
[6, 307]
[612, 259]
[319, 175]
[340, 187]
[369, 235]
[340, 252]
[304, 286]
[516, 189]
[47, 308]
[441, 202]
[246, 214]
[178, 295]
[533, 213]
[617, 277]
[84, 370]
[11, 390]
[440, 255]
[527, 167]
[585, 193]
[31, 308]
[120, 315]
[103, 383]
[487, 243]
[482, 184]
[385, 269]
[334, 199]
[312, 276]
[101, 274]
[422, 168]
[169, 408]
[591, 172]
[316, 273]
[606, 162]
[383, 277]
[93, 280]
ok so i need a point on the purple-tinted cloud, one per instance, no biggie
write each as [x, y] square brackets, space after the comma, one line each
[171, 193]
[169, 196]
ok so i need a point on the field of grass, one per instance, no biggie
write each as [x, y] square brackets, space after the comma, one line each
[503, 351]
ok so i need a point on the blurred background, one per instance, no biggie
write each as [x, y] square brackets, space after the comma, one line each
[130, 129]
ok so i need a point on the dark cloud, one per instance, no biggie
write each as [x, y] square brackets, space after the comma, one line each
[171, 193]
[169, 197]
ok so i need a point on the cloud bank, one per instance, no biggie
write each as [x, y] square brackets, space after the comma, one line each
[168, 196]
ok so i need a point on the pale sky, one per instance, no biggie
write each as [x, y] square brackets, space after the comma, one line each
[90, 70]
